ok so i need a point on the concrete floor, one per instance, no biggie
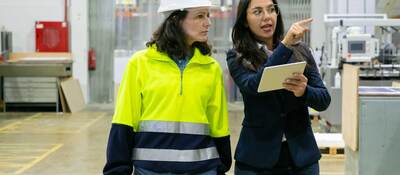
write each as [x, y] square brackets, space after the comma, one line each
[65, 144]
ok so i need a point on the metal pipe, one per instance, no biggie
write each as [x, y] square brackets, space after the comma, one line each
[66, 11]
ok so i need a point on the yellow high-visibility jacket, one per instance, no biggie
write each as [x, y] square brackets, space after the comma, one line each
[168, 120]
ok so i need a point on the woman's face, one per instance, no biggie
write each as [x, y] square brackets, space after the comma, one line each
[196, 25]
[261, 19]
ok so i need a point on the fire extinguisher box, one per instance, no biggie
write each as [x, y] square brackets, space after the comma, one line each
[51, 36]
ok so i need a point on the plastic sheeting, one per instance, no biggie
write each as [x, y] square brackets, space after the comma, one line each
[101, 35]
[137, 19]
[120, 28]
[293, 11]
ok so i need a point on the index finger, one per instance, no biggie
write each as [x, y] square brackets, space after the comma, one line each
[305, 22]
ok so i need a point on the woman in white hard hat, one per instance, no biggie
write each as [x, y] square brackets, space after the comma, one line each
[171, 114]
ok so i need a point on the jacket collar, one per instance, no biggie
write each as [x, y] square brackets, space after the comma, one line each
[198, 57]
[264, 48]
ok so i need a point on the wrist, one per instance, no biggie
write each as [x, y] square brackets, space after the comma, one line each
[285, 43]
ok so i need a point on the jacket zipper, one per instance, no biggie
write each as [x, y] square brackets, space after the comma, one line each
[181, 78]
[181, 91]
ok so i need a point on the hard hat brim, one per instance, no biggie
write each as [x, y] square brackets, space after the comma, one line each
[167, 9]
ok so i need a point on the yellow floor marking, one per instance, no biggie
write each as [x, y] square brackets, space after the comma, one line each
[23, 144]
[38, 159]
[13, 125]
[91, 123]
[18, 150]
[5, 159]
[11, 128]
[12, 165]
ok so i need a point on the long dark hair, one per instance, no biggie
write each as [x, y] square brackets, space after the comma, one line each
[170, 37]
[245, 42]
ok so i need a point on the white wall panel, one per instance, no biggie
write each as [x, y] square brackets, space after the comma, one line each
[19, 16]
[80, 42]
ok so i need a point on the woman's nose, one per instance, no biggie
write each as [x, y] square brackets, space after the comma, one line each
[208, 22]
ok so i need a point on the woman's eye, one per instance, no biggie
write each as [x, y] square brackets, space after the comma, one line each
[257, 12]
[272, 10]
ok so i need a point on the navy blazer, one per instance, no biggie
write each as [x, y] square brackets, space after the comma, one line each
[269, 115]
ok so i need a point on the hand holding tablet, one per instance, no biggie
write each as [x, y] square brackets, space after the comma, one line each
[274, 77]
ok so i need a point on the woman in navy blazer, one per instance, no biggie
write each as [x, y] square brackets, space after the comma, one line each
[276, 135]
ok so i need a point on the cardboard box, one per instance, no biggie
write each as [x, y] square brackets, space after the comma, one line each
[71, 95]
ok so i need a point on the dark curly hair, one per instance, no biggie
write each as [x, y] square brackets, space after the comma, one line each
[170, 37]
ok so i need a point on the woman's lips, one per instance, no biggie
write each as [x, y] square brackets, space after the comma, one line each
[267, 28]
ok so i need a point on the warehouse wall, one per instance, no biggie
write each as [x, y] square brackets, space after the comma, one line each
[19, 16]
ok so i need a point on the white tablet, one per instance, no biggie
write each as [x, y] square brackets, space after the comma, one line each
[273, 76]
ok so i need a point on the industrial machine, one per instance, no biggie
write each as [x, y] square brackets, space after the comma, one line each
[356, 46]
[359, 39]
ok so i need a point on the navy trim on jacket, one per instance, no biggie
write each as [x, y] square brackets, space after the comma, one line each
[184, 167]
[223, 145]
[269, 115]
[172, 141]
[119, 150]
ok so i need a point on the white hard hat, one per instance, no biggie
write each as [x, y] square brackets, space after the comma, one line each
[171, 5]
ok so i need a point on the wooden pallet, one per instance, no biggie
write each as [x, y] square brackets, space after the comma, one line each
[330, 143]
[1, 105]
[315, 117]
[332, 150]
